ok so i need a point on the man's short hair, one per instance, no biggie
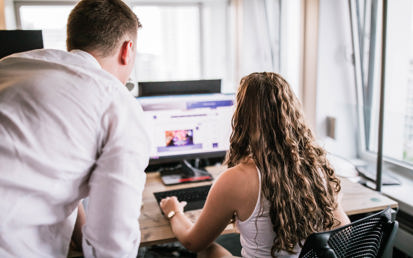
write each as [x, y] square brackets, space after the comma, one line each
[100, 25]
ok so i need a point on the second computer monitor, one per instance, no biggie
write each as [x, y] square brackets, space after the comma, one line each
[188, 126]
[15, 41]
[163, 88]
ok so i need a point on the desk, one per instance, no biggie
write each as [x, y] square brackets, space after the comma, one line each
[155, 229]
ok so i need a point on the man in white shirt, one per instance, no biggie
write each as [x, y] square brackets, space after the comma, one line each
[70, 129]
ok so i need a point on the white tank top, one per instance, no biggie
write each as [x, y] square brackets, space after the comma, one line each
[256, 233]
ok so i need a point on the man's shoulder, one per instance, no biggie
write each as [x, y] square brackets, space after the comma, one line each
[79, 60]
[77, 64]
[45, 55]
[77, 72]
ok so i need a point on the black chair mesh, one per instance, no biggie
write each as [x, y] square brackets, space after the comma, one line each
[362, 238]
[310, 254]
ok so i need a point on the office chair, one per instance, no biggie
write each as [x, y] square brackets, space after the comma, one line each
[372, 236]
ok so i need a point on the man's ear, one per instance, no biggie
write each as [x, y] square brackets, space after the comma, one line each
[126, 52]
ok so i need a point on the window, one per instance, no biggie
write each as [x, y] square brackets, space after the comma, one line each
[186, 40]
[398, 105]
[178, 41]
[167, 28]
[51, 19]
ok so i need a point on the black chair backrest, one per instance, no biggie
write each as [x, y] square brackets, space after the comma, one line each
[366, 237]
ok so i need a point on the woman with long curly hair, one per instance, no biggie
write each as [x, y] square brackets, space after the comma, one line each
[279, 183]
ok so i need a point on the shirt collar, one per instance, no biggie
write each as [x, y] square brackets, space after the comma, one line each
[91, 59]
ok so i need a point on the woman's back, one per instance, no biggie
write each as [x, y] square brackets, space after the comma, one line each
[256, 230]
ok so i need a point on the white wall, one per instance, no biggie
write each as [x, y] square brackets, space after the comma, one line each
[335, 80]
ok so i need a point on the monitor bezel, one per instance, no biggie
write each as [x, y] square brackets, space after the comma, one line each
[187, 87]
[187, 156]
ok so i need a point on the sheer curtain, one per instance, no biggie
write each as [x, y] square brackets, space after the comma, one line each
[259, 37]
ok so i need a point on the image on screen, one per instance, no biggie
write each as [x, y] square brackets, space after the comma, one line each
[188, 124]
[175, 138]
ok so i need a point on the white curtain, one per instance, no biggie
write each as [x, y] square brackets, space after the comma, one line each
[259, 37]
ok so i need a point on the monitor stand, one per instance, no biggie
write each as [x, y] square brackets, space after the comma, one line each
[184, 173]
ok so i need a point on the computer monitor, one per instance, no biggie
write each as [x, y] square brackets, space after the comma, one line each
[188, 127]
[161, 88]
[15, 41]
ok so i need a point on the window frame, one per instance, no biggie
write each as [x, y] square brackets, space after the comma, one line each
[363, 151]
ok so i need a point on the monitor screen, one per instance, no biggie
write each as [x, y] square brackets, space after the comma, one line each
[188, 126]
[15, 41]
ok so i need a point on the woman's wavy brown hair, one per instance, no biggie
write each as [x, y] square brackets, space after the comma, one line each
[268, 126]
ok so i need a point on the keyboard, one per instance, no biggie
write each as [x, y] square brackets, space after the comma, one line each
[369, 172]
[194, 196]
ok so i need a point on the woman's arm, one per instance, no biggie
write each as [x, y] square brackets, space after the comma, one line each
[339, 214]
[218, 211]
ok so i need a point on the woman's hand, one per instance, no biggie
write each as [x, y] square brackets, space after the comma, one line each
[219, 208]
[169, 204]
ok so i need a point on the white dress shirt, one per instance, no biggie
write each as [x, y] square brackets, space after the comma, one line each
[68, 130]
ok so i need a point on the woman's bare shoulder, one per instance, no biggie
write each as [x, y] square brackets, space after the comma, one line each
[239, 176]
[240, 185]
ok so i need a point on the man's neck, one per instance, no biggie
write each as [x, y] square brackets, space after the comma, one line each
[109, 64]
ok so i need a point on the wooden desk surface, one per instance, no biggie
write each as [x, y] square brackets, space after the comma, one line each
[155, 229]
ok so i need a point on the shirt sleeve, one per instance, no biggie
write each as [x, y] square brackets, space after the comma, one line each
[117, 181]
